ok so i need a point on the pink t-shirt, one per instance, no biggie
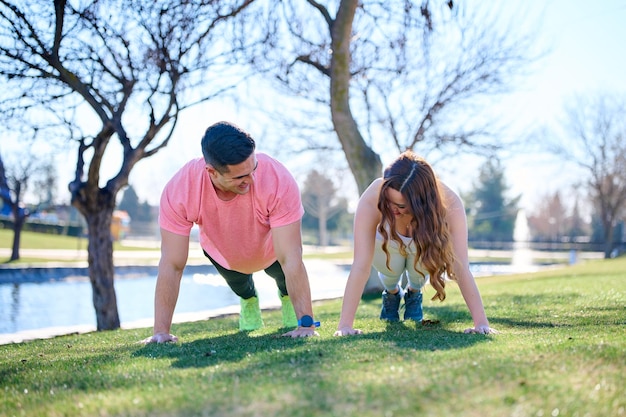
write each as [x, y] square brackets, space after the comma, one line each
[236, 233]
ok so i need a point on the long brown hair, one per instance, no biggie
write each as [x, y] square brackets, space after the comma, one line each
[412, 176]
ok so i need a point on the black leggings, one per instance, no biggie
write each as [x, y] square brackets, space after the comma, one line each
[243, 285]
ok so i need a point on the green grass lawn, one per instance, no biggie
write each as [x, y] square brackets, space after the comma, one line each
[32, 240]
[561, 351]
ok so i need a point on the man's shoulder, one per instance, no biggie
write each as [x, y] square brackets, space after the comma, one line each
[271, 164]
[191, 167]
[188, 173]
[196, 163]
[273, 178]
[267, 159]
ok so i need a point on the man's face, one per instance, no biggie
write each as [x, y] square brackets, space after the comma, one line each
[237, 180]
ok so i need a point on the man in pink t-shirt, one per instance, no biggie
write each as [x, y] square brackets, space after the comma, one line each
[248, 210]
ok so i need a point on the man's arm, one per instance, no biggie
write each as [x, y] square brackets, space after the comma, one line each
[174, 252]
[287, 242]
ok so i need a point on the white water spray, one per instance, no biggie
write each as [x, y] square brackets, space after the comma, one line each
[522, 255]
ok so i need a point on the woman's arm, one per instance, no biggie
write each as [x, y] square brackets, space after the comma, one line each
[366, 219]
[457, 223]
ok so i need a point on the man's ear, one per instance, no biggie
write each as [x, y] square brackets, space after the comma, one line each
[211, 170]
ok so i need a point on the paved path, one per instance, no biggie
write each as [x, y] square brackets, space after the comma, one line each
[151, 257]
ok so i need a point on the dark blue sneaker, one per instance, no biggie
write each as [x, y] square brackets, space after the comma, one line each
[391, 306]
[413, 305]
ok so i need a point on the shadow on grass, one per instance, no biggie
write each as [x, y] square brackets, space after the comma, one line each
[509, 310]
[544, 310]
[418, 337]
[226, 348]
[274, 348]
[581, 317]
[533, 310]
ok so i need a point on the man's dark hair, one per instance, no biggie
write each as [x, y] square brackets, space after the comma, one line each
[225, 144]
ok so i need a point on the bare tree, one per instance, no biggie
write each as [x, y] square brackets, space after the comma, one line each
[549, 219]
[14, 183]
[395, 75]
[595, 140]
[553, 221]
[45, 185]
[317, 197]
[114, 71]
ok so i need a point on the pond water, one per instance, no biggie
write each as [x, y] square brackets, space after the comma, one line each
[62, 306]
[33, 309]
[67, 303]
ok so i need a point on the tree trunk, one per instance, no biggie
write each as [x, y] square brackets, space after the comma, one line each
[101, 269]
[18, 225]
[322, 223]
[608, 240]
[363, 161]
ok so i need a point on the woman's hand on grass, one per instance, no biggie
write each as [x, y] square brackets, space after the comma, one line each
[484, 329]
[347, 331]
[160, 338]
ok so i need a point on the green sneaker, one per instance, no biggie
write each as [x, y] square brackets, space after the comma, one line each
[250, 315]
[289, 315]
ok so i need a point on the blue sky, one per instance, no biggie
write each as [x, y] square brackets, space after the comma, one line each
[585, 40]
[587, 56]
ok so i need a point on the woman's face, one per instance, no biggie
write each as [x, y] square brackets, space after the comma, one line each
[397, 203]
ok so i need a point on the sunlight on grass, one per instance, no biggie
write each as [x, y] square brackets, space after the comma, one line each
[560, 352]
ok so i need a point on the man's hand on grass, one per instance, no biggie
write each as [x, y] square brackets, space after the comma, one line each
[302, 332]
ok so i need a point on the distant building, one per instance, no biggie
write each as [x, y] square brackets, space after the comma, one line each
[120, 224]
